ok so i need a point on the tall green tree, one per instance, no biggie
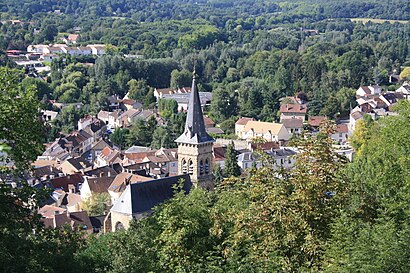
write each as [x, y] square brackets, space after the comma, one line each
[231, 162]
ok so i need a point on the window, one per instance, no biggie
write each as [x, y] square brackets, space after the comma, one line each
[119, 226]
[184, 166]
[206, 166]
[191, 167]
[201, 167]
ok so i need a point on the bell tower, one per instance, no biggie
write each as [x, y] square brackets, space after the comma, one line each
[195, 155]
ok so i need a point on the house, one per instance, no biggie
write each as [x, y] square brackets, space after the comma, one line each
[136, 154]
[290, 111]
[315, 121]
[95, 150]
[73, 202]
[281, 158]
[38, 49]
[95, 185]
[100, 172]
[208, 122]
[248, 160]
[48, 211]
[72, 51]
[55, 152]
[84, 122]
[364, 91]
[166, 159]
[127, 104]
[76, 143]
[240, 125]
[390, 98]
[267, 130]
[75, 220]
[97, 129]
[219, 155]
[85, 51]
[97, 49]
[183, 99]
[107, 157]
[263, 146]
[121, 181]
[72, 39]
[342, 133]
[355, 115]
[138, 199]
[48, 115]
[53, 50]
[405, 90]
[159, 93]
[43, 173]
[113, 102]
[294, 125]
[214, 131]
[67, 183]
[74, 165]
[126, 118]
[110, 118]
[145, 115]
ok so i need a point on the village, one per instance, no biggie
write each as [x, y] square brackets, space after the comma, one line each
[88, 174]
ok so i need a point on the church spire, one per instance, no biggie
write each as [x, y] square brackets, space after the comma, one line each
[194, 132]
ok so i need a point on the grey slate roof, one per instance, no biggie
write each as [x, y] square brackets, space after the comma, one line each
[143, 196]
[194, 132]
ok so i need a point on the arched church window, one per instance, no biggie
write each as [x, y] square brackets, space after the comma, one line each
[207, 166]
[119, 226]
[201, 167]
[191, 167]
[184, 166]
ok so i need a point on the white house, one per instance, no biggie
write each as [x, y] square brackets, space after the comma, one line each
[368, 90]
[97, 49]
[268, 130]
[342, 134]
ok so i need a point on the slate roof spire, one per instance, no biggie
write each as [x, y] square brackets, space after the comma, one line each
[194, 132]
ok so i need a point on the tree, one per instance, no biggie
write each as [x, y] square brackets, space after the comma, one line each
[180, 79]
[218, 175]
[21, 129]
[138, 89]
[231, 162]
[97, 204]
[162, 138]
[23, 238]
[167, 107]
[405, 74]
[372, 233]
[120, 137]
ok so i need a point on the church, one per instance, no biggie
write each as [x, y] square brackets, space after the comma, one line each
[195, 145]
[195, 160]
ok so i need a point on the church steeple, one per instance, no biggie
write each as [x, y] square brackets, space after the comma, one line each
[195, 153]
[194, 132]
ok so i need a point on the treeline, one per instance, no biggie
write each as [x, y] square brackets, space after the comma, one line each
[148, 11]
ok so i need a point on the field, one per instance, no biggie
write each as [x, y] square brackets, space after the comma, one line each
[377, 21]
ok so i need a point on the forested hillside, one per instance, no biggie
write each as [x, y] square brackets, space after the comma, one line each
[262, 49]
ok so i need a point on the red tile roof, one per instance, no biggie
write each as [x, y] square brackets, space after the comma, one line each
[243, 121]
[315, 121]
[293, 108]
[342, 128]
